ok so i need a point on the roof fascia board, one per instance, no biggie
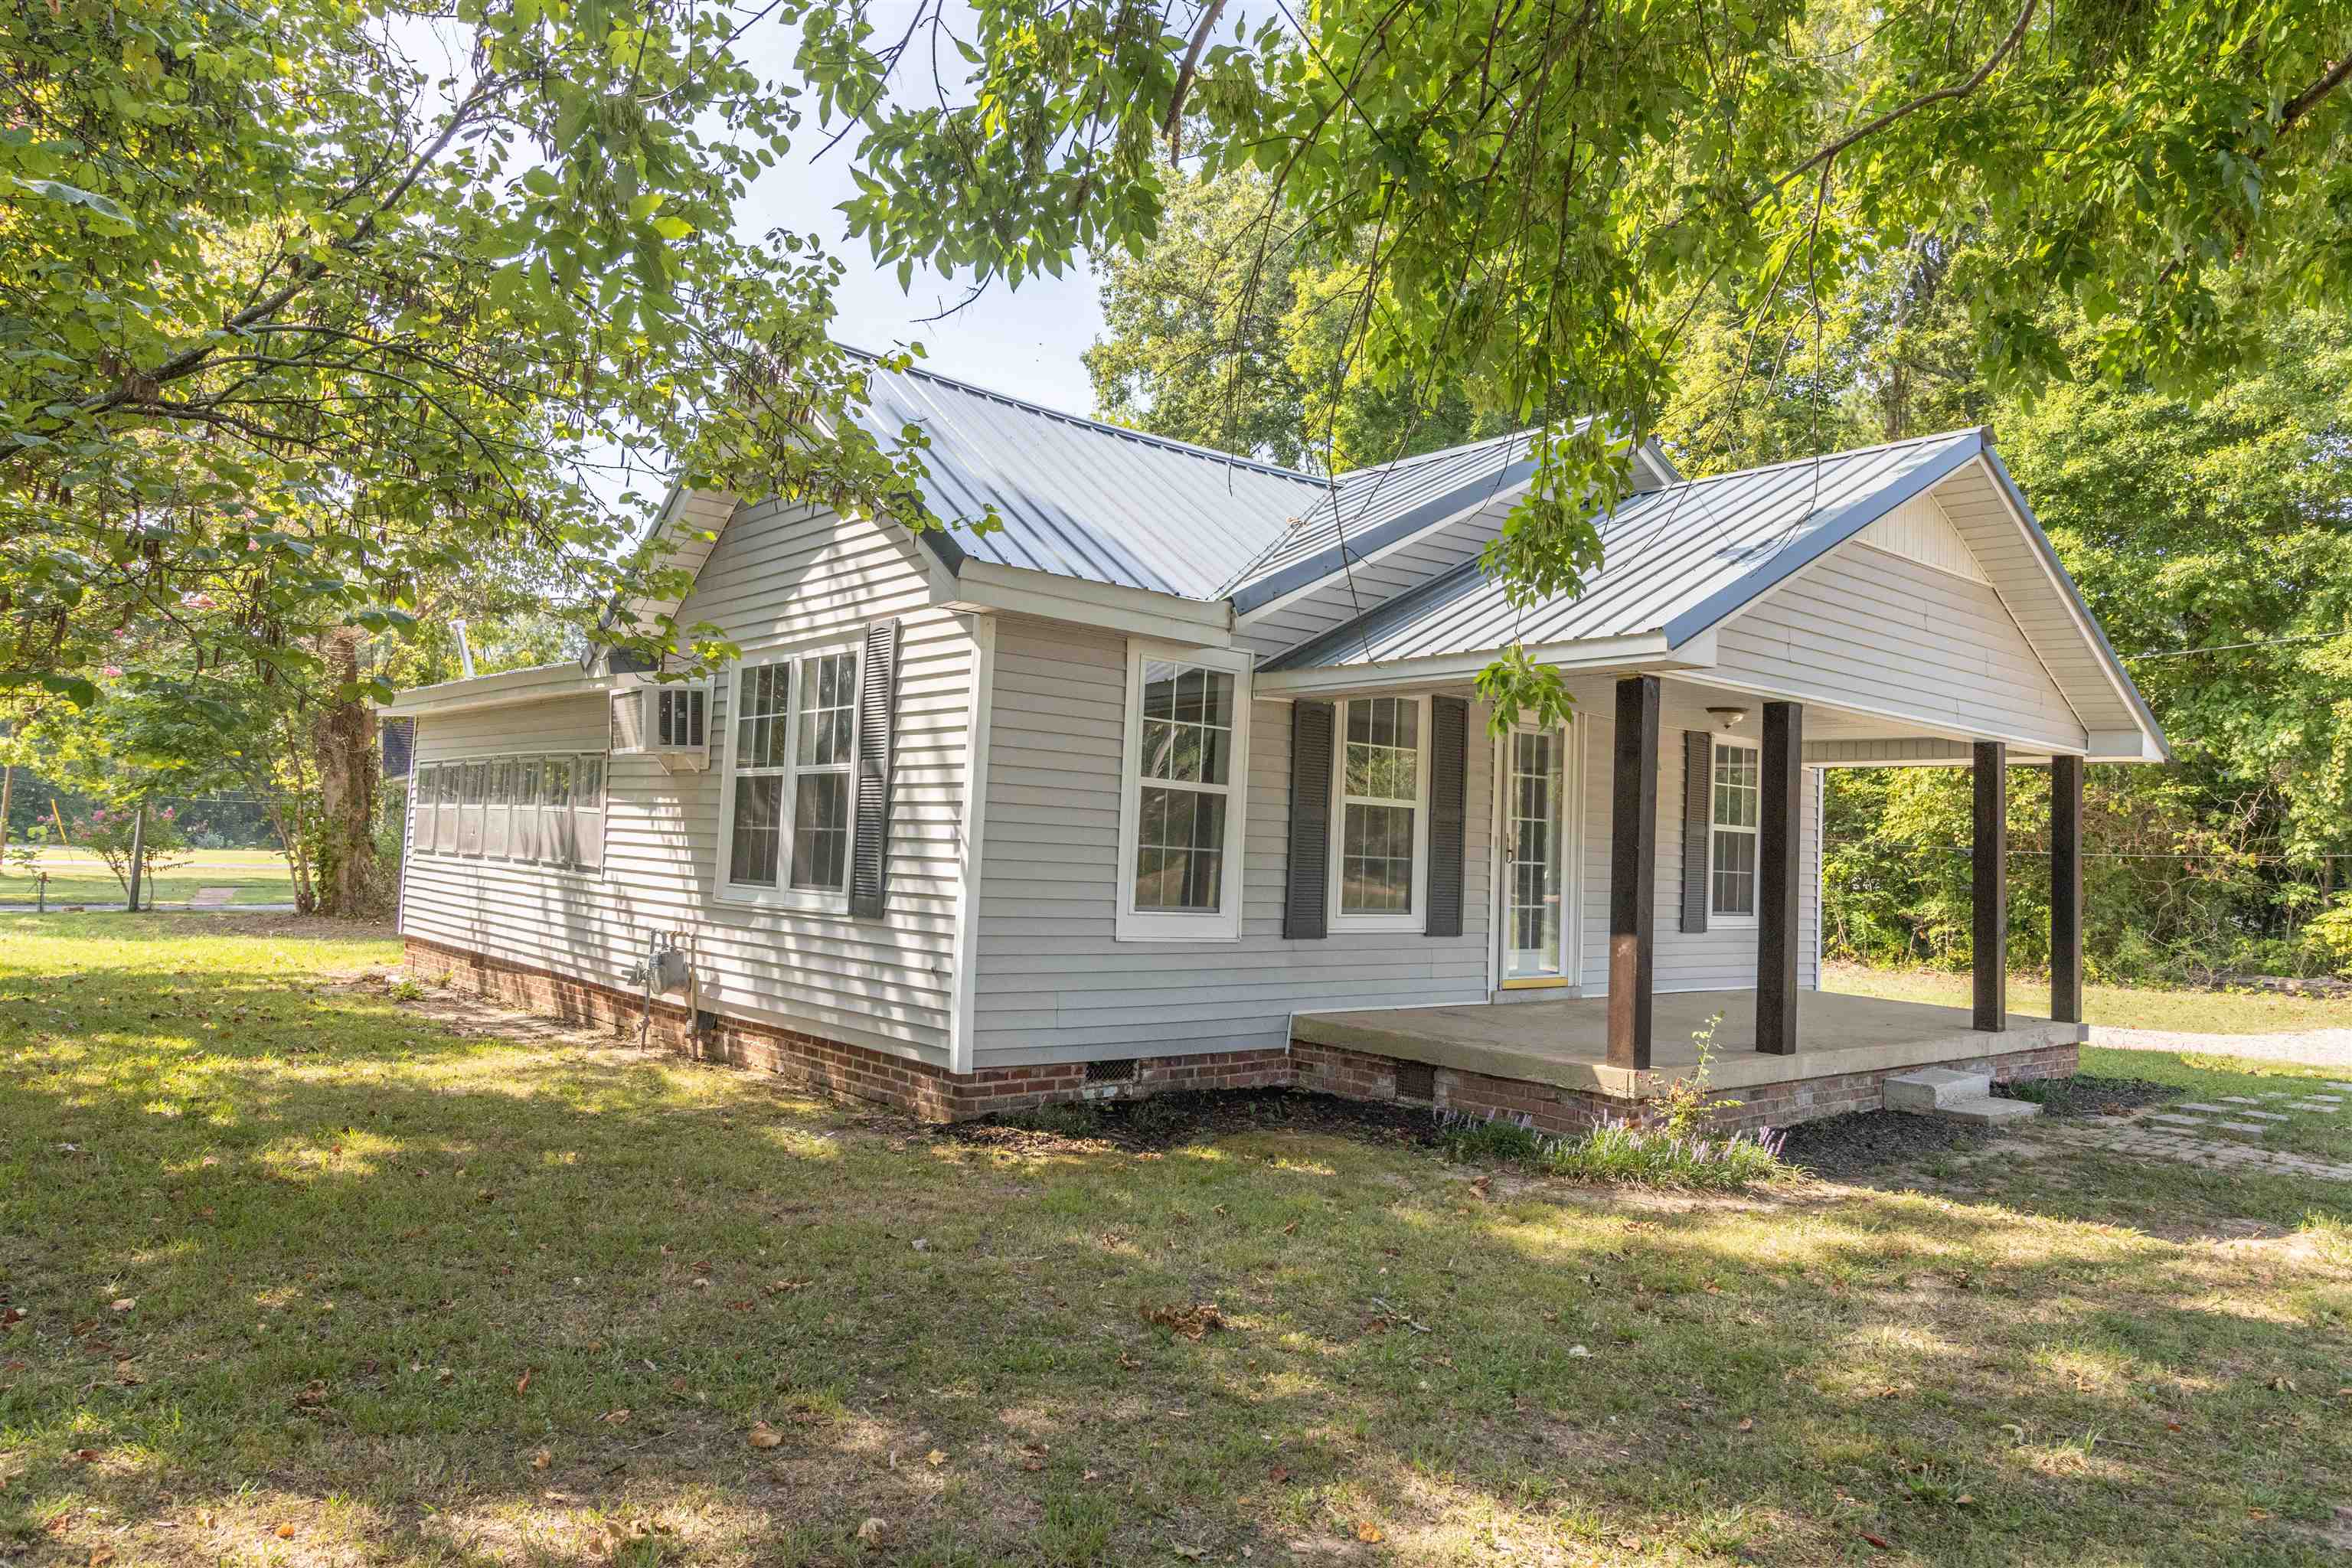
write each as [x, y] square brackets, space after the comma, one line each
[1429, 514]
[1842, 525]
[512, 689]
[1639, 651]
[2153, 747]
[985, 586]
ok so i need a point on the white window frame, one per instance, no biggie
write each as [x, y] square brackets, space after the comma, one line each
[783, 895]
[1223, 924]
[1416, 918]
[1717, 919]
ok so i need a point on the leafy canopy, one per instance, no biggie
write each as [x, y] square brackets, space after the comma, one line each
[292, 320]
[1539, 196]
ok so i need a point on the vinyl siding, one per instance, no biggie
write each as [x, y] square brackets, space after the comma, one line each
[1722, 958]
[1875, 631]
[1346, 595]
[777, 576]
[1055, 984]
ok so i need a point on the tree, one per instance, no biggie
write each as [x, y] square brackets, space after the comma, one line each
[290, 319]
[1222, 333]
[1540, 197]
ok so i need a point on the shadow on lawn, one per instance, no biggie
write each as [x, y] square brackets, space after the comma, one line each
[379, 1266]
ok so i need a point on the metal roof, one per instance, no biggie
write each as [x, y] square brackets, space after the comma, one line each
[1367, 510]
[1675, 560]
[1082, 498]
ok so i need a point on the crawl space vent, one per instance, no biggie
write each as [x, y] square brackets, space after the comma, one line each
[1121, 1071]
[1416, 1080]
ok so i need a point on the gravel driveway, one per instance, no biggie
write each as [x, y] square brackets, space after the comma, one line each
[2310, 1048]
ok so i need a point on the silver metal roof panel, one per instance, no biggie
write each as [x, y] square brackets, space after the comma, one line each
[1675, 560]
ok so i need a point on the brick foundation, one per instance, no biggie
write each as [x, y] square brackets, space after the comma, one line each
[935, 1094]
[812, 1061]
[1357, 1075]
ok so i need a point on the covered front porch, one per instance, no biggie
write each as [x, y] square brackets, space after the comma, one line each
[1565, 1043]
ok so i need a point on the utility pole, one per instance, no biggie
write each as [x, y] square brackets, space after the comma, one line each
[138, 853]
[7, 794]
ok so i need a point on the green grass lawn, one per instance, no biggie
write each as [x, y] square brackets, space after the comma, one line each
[76, 877]
[2127, 1008]
[303, 1272]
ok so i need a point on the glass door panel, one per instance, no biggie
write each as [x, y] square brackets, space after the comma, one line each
[1534, 837]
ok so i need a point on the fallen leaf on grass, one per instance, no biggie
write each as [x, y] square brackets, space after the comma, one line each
[1279, 1474]
[614, 1417]
[523, 1382]
[1191, 1322]
[124, 1303]
[1368, 1532]
[285, 1533]
[764, 1435]
[872, 1529]
[541, 1458]
[935, 1458]
[1877, 1541]
[1748, 1424]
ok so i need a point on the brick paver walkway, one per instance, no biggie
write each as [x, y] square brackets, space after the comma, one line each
[2189, 1132]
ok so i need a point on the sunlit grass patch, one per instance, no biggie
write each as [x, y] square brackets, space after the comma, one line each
[419, 1293]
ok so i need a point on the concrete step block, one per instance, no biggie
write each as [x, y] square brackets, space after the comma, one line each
[1986, 1110]
[1930, 1089]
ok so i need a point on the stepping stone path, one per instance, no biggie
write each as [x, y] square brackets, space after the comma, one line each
[2185, 1130]
[211, 897]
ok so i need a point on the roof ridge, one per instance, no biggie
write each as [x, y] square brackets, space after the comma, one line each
[1395, 463]
[1145, 438]
[1841, 453]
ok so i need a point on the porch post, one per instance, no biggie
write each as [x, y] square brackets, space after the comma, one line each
[1990, 885]
[2066, 889]
[1776, 878]
[1632, 871]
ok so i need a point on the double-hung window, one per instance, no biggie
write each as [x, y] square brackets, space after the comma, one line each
[791, 749]
[1186, 775]
[1738, 789]
[1379, 825]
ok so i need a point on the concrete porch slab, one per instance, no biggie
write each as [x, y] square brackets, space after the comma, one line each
[1565, 1043]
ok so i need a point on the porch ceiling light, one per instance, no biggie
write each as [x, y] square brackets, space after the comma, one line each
[1728, 718]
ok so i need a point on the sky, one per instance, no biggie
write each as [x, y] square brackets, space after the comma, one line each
[1025, 342]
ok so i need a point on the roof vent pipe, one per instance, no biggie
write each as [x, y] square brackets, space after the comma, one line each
[465, 652]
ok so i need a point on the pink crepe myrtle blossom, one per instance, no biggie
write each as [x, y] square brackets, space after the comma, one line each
[197, 602]
[111, 671]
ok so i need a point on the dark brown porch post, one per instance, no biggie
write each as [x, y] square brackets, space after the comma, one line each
[1632, 871]
[1776, 878]
[1990, 885]
[2066, 889]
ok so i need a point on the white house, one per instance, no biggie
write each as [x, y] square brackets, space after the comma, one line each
[1179, 778]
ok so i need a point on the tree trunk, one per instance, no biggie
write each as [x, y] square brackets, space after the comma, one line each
[350, 878]
[7, 798]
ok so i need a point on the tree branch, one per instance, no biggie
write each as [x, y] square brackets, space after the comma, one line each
[1174, 125]
[1903, 111]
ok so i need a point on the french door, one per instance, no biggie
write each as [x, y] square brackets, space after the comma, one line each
[1537, 917]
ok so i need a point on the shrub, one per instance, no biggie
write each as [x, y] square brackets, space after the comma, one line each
[1468, 1139]
[2328, 935]
[1621, 1151]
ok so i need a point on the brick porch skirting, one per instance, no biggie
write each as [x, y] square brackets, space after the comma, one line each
[935, 1094]
[1358, 1075]
[812, 1061]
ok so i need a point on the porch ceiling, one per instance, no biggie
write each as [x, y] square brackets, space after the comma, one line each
[1565, 1043]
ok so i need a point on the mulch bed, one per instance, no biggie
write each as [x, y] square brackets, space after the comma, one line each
[2088, 1094]
[1866, 1142]
[1165, 1120]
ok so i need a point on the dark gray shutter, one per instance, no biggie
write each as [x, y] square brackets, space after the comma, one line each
[877, 708]
[1698, 824]
[1449, 766]
[1308, 895]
